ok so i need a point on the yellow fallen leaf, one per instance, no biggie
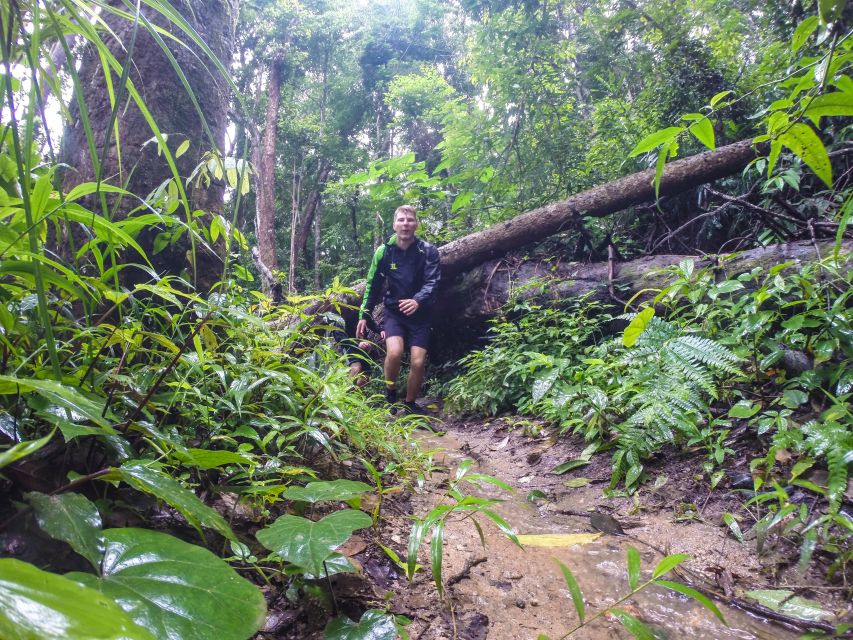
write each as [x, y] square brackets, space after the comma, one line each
[557, 539]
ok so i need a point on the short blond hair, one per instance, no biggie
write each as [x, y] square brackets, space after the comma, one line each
[405, 208]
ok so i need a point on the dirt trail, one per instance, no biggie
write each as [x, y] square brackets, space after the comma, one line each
[518, 594]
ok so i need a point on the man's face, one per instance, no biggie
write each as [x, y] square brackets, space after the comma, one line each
[405, 225]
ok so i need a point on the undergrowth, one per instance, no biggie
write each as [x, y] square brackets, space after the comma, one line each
[709, 360]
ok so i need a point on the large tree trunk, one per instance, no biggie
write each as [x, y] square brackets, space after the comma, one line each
[139, 166]
[472, 250]
[464, 308]
[265, 164]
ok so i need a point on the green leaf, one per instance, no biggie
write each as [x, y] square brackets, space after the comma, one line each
[37, 605]
[636, 327]
[701, 598]
[462, 200]
[634, 563]
[338, 490]
[503, 525]
[182, 148]
[574, 589]
[211, 459]
[802, 140]
[358, 178]
[669, 563]
[81, 405]
[40, 196]
[733, 526]
[703, 131]
[23, 449]
[163, 487]
[784, 601]
[837, 103]
[793, 398]
[803, 31]
[719, 96]
[632, 624]
[306, 543]
[655, 140]
[436, 555]
[416, 536]
[567, 466]
[744, 409]
[176, 589]
[375, 624]
[72, 518]
[830, 10]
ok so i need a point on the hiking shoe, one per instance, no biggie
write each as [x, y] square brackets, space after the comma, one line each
[413, 409]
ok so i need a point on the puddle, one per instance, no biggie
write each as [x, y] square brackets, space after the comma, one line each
[518, 594]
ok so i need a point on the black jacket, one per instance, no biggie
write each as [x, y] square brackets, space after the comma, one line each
[413, 273]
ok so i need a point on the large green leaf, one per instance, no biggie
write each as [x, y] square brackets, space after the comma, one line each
[338, 490]
[804, 142]
[176, 590]
[150, 480]
[374, 625]
[37, 605]
[632, 624]
[837, 103]
[830, 10]
[80, 405]
[636, 327]
[306, 543]
[655, 140]
[211, 459]
[22, 450]
[72, 518]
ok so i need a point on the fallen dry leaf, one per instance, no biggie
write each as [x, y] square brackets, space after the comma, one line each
[557, 539]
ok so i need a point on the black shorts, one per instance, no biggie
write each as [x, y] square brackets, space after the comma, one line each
[415, 330]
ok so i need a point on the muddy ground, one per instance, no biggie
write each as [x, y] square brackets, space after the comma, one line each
[501, 592]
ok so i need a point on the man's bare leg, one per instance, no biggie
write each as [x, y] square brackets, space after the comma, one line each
[393, 359]
[417, 367]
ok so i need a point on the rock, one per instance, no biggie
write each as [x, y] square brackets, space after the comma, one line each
[519, 603]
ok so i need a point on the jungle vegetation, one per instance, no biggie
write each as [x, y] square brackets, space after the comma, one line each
[159, 382]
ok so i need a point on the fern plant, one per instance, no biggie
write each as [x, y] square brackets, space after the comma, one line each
[667, 378]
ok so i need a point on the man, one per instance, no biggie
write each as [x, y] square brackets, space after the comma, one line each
[409, 267]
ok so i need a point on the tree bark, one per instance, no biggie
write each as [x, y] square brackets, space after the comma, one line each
[265, 163]
[318, 232]
[464, 307]
[311, 205]
[294, 223]
[138, 166]
[472, 250]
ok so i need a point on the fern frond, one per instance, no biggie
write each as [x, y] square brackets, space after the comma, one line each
[837, 480]
[708, 352]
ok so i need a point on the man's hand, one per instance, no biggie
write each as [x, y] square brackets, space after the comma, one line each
[360, 329]
[408, 306]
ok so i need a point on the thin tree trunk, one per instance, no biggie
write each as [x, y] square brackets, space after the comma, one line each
[312, 204]
[318, 221]
[265, 198]
[294, 224]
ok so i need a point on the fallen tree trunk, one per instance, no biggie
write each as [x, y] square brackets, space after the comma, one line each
[464, 307]
[524, 229]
